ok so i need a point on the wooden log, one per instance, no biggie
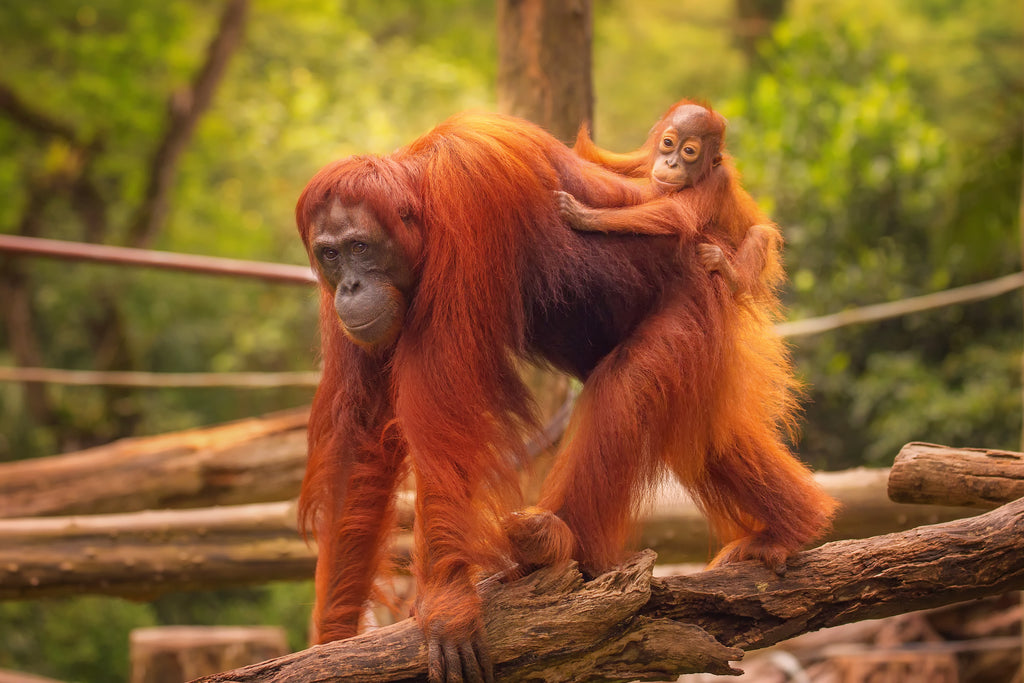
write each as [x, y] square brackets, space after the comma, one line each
[249, 461]
[972, 477]
[741, 605]
[176, 654]
[144, 554]
[149, 553]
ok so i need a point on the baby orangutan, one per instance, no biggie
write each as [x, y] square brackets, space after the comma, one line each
[693, 192]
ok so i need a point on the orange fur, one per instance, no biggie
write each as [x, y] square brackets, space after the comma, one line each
[675, 379]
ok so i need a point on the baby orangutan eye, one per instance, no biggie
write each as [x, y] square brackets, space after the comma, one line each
[690, 151]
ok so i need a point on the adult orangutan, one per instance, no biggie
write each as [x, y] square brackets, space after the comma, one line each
[444, 264]
[693, 189]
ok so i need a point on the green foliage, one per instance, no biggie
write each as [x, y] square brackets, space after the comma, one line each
[315, 80]
[833, 138]
[86, 639]
[649, 54]
[969, 397]
[845, 142]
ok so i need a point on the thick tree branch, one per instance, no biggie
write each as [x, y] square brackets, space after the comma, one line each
[549, 626]
[552, 627]
[847, 581]
[185, 110]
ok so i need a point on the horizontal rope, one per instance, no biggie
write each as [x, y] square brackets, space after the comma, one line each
[254, 380]
[895, 309]
[127, 256]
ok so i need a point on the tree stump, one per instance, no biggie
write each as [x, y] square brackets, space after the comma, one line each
[176, 654]
[19, 677]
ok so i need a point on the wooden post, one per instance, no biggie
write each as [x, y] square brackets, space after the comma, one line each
[176, 654]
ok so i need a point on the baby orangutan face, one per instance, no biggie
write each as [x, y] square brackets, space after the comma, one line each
[688, 148]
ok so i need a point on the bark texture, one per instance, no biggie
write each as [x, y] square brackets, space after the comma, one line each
[143, 555]
[249, 461]
[544, 72]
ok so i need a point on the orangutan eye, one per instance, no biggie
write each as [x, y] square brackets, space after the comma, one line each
[358, 248]
[690, 150]
[329, 254]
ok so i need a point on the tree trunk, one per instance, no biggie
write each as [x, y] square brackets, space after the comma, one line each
[544, 65]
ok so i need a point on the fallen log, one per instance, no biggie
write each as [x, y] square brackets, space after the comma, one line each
[631, 626]
[248, 461]
[972, 477]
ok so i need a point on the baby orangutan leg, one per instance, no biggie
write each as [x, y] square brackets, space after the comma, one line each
[538, 538]
[714, 261]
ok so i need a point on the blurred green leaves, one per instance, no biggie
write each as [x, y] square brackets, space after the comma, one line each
[858, 139]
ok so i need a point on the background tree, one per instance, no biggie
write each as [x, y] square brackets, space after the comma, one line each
[544, 71]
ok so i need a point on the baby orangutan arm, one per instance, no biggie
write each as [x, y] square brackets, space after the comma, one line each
[661, 216]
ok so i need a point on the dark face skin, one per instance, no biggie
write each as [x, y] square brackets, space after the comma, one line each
[685, 144]
[367, 271]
